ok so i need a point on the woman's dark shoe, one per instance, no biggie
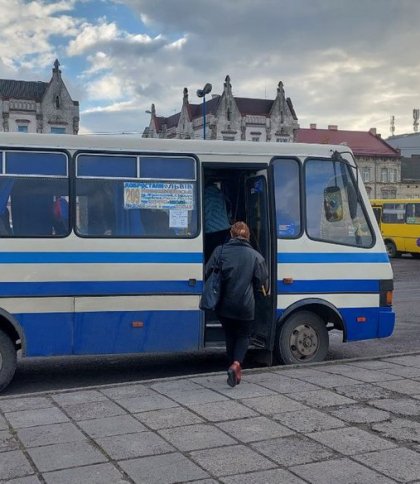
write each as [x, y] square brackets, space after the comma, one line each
[234, 374]
[231, 379]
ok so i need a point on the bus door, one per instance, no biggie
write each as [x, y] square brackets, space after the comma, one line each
[258, 220]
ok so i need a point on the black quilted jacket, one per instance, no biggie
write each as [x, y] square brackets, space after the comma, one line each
[244, 271]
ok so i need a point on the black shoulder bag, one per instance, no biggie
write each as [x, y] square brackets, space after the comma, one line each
[212, 286]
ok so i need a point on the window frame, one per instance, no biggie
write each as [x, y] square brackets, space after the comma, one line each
[359, 198]
[301, 195]
[62, 130]
[393, 202]
[139, 155]
[67, 176]
[406, 210]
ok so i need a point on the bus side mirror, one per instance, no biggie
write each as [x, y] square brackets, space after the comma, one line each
[333, 204]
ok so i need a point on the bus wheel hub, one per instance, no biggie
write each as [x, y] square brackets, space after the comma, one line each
[304, 341]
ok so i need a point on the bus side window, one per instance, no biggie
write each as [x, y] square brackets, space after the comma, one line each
[287, 196]
[413, 213]
[31, 184]
[112, 198]
[333, 212]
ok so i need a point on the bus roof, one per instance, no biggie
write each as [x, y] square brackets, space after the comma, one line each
[136, 143]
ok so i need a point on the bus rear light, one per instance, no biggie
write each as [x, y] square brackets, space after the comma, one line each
[386, 288]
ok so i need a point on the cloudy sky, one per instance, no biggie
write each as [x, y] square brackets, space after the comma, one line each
[351, 63]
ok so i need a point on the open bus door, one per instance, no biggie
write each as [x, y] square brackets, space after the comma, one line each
[258, 219]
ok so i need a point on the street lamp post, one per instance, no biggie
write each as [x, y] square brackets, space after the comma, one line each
[202, 93]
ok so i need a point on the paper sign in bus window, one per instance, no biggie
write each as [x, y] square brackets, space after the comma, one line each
[159, 195]
[178, 219]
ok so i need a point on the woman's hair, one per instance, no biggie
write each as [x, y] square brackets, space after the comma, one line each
[239, 230]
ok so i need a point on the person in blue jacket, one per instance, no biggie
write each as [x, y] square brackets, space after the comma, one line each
[244, 271]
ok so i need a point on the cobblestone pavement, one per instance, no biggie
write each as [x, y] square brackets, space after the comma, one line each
[339, 422]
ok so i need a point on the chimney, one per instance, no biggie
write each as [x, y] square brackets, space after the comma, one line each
[372, 131]
[312, 126]
[332, 127]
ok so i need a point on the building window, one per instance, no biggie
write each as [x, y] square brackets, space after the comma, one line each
[366, 174]
[55, 130]
[392, 175]
[255, 138]
[228, 138]
[384, 175]
[57, 102]
[389, 193]
[23, 128]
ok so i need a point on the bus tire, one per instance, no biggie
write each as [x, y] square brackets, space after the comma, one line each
[8, 360]
[415, 255]
[391, 249]
[302, 338]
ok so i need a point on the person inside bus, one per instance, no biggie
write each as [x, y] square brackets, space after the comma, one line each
[216, 220]
[60, 216]
[101, 213]
[244, 271]
[5, 228]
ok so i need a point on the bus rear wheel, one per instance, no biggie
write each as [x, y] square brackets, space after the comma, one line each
[8, 360]
[302, 338]
[391, 249]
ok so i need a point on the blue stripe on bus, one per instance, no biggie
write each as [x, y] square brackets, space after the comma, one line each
[329, 286]
[174, 257]
[97, 288]
[100, 257]
[330, 257]
[108, 288]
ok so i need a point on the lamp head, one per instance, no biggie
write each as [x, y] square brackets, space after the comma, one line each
[206, 90]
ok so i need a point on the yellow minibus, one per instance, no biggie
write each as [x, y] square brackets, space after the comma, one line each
[399, 220]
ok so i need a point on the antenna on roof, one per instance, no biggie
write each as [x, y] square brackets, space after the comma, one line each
[416, 113]
[392, 127]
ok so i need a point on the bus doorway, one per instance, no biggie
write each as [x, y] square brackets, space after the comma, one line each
[231, 194]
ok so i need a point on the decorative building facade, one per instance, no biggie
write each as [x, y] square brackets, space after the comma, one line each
[228, 118]
[379, 163]
[38, 107]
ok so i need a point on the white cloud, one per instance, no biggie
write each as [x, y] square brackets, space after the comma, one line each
[348, 63]
[109, 87]
[26, 29]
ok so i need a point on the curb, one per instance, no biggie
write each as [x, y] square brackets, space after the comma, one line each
[249, 371]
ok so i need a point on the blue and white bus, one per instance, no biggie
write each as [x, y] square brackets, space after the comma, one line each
[102, 245]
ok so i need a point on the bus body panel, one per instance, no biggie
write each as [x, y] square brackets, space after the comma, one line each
[82, 295]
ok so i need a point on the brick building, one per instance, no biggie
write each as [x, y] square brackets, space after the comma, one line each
[229, 118]
[38, 107]
[379, 163]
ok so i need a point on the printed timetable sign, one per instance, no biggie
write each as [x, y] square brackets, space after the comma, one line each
[159, 195]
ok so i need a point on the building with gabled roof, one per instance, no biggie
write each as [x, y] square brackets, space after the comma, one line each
[229, 118]
[379, 163]
[38, 107]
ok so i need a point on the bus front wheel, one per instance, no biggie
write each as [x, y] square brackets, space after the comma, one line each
[7, 360]
[391, 249]
[302, 338]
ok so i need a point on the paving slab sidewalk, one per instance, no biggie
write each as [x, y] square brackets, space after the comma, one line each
[352, 421]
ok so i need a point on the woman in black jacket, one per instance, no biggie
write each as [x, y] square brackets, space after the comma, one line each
[244, 272]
